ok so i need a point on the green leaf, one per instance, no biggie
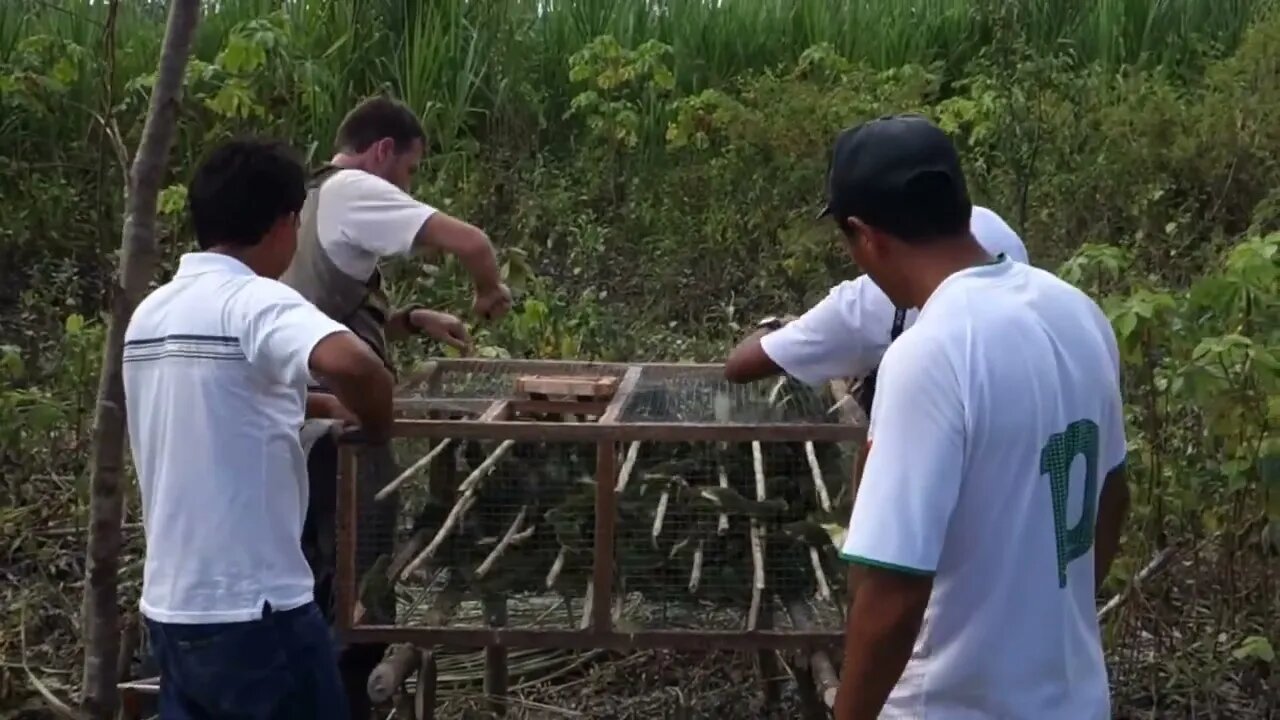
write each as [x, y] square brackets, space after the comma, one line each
[11, 362]
[65, 71]
[173, 200]
[74, 324]
[1255, 647]
[1125, 324]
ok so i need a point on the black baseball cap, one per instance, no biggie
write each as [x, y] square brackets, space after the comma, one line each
[900, 173]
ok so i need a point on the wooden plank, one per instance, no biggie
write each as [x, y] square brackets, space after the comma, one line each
[588, 640]
[560, 386]
[621, 432]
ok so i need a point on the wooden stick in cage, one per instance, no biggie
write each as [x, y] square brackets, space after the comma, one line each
[660, 515]
[824, 672]
[757, 542]
[819, 485]
[587, 602]
[554, 573]
[628, 465]
[820, 575]
[413, 469]
[465, 501]
[722, 524]
[695, 575]
[513, 536]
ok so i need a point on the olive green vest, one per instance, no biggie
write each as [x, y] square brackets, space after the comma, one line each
[361, 306]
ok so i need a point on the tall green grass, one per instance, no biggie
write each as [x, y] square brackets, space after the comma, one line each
[465, 64]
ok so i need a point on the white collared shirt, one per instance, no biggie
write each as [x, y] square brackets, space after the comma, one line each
[215, 377]
[847, 332]
[996, 419]
[362, 218]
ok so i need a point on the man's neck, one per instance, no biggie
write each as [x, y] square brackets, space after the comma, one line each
[243, 254]
[349, 162]
[942, 260]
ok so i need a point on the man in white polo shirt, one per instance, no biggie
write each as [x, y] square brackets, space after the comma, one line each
[993, 495]
[216, 368]
[846, 333]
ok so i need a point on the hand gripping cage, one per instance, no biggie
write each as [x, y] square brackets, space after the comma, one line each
[596, 506]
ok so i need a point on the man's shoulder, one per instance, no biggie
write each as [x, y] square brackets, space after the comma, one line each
[349, 183]
[1060, 289]
[924, 342]
[997, 236]
[258, 293]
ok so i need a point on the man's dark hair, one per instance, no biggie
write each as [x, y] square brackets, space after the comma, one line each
[376, 118]
[242, 188]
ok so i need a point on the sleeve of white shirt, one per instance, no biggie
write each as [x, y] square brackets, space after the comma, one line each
[839, 337]
[912, 477]
[280, 329]
[375, 216]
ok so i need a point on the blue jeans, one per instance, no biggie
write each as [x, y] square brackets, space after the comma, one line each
[282, 666]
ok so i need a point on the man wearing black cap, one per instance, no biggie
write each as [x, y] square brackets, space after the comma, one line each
[993, 493]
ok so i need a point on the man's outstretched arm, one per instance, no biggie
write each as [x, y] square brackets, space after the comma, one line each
[748, 362]
[843, 335]
[357, 378]
[471, 246]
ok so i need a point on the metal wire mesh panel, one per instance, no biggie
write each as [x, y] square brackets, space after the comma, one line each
[491, 533]
[727, 530]
[701, 395]
[489, 379]
[725, 536]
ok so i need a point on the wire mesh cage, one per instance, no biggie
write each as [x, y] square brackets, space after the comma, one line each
[540, 504]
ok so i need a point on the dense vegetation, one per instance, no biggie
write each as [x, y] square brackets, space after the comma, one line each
[650, 170]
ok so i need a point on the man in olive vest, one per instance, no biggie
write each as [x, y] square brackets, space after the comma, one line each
[357, 212]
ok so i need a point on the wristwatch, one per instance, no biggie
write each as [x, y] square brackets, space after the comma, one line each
[770, 323]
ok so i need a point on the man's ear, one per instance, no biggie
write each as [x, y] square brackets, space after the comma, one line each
[873, 240]
[283, 226]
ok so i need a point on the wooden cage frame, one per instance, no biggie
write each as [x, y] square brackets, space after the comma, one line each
[495, 421]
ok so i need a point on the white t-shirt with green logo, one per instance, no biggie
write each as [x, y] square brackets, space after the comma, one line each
[996, 418]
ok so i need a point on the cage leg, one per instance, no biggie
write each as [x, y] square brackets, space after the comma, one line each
[757, 542]
[404, 709]
[424, 695]
[770, 669]
[811, 707]
[495, 657]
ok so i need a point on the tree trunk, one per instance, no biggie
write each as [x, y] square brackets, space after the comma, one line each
[137, 266]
